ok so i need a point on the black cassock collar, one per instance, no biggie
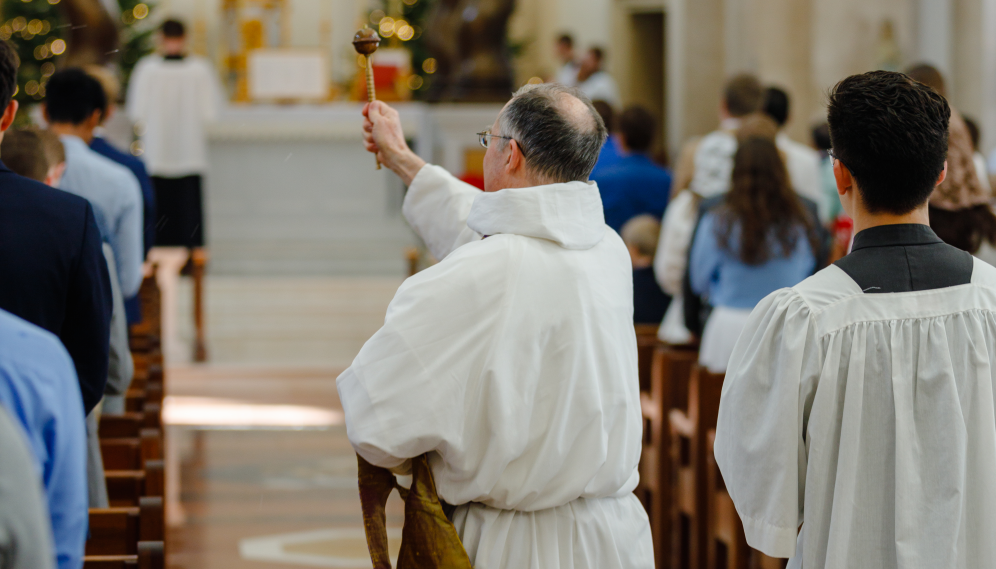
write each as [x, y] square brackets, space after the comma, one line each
[905, 258]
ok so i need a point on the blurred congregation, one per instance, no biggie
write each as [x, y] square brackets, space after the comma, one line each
[119, 176]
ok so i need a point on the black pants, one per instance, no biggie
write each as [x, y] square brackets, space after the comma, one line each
[180, 209]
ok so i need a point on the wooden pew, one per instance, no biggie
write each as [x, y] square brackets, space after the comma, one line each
[646, 341]
[728, 547]
[114, 531]
[117, 531]
[122, 426]
[727, 544]
[671, 368]
[131, 533]
[131, 453]
[151, 555]
[126, 487]
[689, 506]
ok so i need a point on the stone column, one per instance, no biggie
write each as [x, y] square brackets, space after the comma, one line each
[695, 68]
[934, 33]
[784, 47]
[972, 79]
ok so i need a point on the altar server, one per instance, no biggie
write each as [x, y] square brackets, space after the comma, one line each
[173, 96]
[859, 403]
[513, 361]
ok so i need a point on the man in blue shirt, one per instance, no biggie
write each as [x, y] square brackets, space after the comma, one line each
[38, 388]
[635, 184]
[610, 154]
[73, 106]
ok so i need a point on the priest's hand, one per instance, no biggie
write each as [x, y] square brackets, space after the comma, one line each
[383, 136]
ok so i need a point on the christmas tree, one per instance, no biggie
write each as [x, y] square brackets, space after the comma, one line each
[402, 23]
[136, 36]
[39, 33]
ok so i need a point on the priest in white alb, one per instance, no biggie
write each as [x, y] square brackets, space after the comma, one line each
[513, 361]
[857, 426]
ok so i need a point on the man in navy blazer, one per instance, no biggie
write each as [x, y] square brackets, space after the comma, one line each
[52, 268]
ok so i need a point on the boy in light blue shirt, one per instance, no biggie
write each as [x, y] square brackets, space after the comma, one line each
[38, 388]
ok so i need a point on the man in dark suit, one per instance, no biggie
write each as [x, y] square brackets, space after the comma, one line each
[52, 268]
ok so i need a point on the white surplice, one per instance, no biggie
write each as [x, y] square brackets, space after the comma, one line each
[869, 419]
[174, 101]
[513, 362]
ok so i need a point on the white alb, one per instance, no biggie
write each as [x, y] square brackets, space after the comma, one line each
[173, 101]
[513, 362]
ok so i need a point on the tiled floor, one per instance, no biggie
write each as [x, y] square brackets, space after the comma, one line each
[274, 497]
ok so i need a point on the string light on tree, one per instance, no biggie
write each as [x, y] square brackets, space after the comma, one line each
[39, 33]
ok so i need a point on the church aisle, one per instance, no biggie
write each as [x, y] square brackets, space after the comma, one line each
[258, 489]
[242, 486]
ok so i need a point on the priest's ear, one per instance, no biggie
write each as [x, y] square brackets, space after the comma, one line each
[8, 116]
[515, 163]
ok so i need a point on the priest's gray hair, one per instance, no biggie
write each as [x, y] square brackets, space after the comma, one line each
[558, 130]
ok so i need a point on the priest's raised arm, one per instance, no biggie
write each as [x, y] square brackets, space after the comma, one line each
[437, 203]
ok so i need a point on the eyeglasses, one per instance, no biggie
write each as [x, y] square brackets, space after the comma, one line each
[486, 134]
[832, 154]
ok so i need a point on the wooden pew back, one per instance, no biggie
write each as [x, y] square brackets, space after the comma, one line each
[689, 507]
[670, 371]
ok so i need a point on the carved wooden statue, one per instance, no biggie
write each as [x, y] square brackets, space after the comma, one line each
[476, 67]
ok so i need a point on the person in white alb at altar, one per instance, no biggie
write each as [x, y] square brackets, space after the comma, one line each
[857, 424]
[174, 96]
[513, 361]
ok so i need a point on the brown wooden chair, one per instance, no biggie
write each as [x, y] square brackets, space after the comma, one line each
[671, 367]
[689, 499]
